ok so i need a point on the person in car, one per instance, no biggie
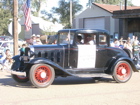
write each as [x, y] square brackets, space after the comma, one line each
[91, 40]
[79, 39]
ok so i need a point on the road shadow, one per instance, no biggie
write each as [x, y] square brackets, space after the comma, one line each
[75, 80]
[9, 81]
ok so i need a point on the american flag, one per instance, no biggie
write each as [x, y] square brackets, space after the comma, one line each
[27, 14]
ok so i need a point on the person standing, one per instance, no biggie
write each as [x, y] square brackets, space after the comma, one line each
[133, 39]
[33, 39]
[38, 41]
[7, 63]
[136, 50]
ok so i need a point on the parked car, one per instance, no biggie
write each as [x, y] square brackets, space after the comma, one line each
[42, 63]
[5, 38]
[9, 44]
[6, 45]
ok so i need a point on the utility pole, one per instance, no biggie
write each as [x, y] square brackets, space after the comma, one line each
[71, 13]
[125, 4]
[15, 26]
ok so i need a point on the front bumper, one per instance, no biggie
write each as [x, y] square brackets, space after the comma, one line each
[16, 72]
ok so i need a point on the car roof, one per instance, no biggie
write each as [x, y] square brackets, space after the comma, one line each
[84, 31]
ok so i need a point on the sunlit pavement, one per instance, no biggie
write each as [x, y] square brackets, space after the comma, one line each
[71, 91]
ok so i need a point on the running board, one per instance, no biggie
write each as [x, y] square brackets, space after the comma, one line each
[92, 75]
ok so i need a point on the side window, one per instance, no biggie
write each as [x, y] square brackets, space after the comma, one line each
[90, 39]
[102, 40]
[65, 38]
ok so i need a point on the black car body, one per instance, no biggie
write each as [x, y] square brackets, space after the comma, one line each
[42, 63]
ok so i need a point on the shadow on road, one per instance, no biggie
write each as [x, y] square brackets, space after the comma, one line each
[8, 81]
[75, 80]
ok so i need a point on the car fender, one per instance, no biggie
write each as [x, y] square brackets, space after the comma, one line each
[128, 52]
[112, 62]
[49, 62]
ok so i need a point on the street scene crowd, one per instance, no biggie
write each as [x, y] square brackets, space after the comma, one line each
[6, 55]
[131, 44]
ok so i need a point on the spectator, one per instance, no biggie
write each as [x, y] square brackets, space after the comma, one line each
[38, 41]
[22, 49]
[125, 43]
[33, 39]
[133, 39]
[43, 39]
[121, 39]
[129, 39]
[115, 43]
[121, 45]
[129, 46]
[7, 63]
[136, 50]
[2, 57]
[136, 39]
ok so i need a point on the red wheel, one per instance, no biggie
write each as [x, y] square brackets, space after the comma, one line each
[122, 72]
[20, 79]
[42, 75]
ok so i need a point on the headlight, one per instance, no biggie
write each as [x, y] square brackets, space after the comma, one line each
[27, 53]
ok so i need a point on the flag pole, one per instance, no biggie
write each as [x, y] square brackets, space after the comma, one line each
[15, 27]
[70, 13]
[69, 47]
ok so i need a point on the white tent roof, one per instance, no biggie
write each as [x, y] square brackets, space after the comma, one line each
[46, 25]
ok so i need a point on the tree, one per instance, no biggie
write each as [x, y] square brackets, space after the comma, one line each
[5, 15]
[115, 2]
[63, 11]
[36, 6]
[6, 12]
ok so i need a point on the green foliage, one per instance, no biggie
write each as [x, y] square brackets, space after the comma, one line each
[115, 2]
[48, 33]
[5, 15]
[63, 11]
[36, 6]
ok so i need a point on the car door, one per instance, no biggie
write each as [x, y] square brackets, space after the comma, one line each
[101, 52]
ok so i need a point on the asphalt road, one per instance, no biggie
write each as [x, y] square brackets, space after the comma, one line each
[71, 91]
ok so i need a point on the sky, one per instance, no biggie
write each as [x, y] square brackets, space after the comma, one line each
[51, 3]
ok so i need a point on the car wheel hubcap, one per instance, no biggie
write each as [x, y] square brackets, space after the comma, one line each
[43, 74]
[123, 71]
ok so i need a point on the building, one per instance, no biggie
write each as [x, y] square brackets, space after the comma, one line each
[38, 25]
[99, 16]
[129, 22]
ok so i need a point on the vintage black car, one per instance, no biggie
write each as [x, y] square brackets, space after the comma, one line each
[68, 57]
